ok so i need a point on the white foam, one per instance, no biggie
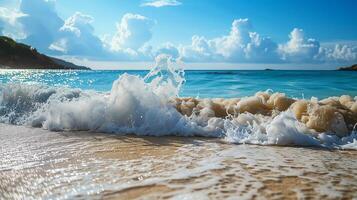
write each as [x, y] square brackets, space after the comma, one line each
[142, 106]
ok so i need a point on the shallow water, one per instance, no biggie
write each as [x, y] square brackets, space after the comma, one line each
[38, 164]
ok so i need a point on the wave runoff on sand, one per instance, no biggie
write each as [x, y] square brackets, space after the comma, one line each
[152, 106]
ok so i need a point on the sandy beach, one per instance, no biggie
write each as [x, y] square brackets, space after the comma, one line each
[38, 164]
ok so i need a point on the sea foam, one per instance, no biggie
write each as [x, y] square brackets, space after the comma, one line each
[151, 106]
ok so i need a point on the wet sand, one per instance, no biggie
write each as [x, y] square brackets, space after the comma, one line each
[39, 164]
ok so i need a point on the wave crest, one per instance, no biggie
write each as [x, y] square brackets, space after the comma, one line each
[151, 106]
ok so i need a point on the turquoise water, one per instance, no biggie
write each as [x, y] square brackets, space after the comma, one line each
[300, 84]
[142, 104]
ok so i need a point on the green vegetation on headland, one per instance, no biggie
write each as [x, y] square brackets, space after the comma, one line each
[14, 55]
[350, 68]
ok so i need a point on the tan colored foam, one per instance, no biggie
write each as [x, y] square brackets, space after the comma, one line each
[326, 118]
[252, 105]
[280, 102]
[300, 108]
[354, 107]
[335, 115]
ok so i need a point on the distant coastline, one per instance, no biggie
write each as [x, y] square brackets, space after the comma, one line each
[14, 55]
[350, 68]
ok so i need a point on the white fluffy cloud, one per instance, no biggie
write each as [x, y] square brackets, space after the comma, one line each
[9, 24]
[200, 50]
[340, 53]
[168, 49]
[298, 48]
[232, 46]
[76, 37]
[240, 45]
[133, 31]
[261, 49]
[161, 3]
[37, 23]
[41, 23]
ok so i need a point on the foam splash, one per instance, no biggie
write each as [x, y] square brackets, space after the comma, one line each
[151, 106]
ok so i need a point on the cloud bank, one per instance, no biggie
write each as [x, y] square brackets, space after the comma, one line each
[36, 22]
[242, 44]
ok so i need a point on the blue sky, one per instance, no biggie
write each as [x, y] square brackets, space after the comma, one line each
[283, 33]
[327, 20]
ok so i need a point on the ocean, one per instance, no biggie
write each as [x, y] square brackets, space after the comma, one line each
[203, 83]
[171, 133]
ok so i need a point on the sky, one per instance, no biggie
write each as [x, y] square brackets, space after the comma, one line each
[234, 34]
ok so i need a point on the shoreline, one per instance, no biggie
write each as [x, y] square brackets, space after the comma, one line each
[43, 164]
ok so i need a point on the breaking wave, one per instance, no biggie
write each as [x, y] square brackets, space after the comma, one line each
[151, 106]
